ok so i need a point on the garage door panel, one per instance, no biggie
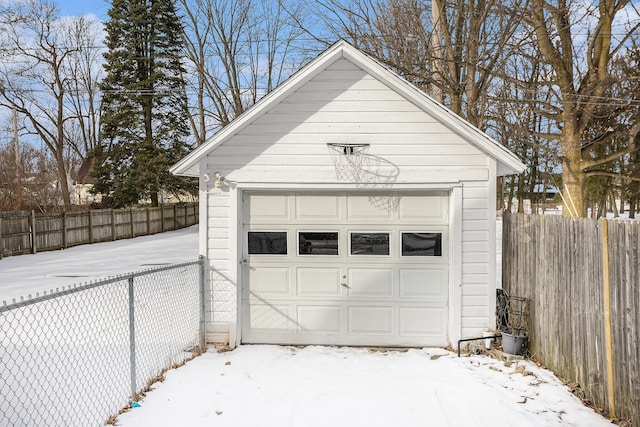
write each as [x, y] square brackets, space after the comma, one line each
[318, 207]
[422, 321]
[272, 318]
[322, 282]
[364, 208]
[370, 282]
[371, 320]
[422, 208]
[268, 207]
[423, 283]
[269, 282]
[324, 319]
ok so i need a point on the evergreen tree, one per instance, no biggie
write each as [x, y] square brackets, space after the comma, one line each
[144, 123]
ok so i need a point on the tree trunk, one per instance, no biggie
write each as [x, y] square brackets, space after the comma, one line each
[614, 205]
[512, 190]
[500, 194]
[573, 177]
[62, 177]
[521, 193]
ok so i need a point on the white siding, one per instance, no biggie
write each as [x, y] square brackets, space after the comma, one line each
[476, 304]
[345, 104]
[221, 307]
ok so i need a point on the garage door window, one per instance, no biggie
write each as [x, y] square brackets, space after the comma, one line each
[318, 243]
[369, 243]
[421, 244]
[267, 242]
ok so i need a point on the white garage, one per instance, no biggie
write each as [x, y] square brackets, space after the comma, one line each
[348, 208]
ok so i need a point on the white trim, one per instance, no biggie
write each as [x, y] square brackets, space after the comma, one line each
[293, 186]
[203, 212]
[455, 264]
[235, 259]
[452, 254]
[491, 209]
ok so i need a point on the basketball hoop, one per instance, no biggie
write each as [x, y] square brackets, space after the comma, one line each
[353, 163]
[348, 159]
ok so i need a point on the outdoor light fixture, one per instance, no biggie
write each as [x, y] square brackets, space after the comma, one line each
[206, 177]
[219, 180]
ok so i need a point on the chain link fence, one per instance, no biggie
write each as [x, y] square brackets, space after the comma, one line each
[76, 357]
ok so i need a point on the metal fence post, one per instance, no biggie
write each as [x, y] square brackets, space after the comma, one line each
[132, 340]
[203, 338]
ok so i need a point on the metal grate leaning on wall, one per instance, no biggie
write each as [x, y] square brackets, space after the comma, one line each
[77, 356]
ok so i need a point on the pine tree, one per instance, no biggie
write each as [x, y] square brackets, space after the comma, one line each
[144, 123]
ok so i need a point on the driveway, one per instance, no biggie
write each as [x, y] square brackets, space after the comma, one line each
[330, 386]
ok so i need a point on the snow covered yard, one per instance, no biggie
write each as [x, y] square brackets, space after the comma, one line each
[320, 386]
[27, 274]
[66, 360]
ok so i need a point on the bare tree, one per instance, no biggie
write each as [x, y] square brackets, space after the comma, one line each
[580, 82]
[85, 70]
[516, 120]
[38, 77]
[35, 189]
[238, 50]
[473, 39]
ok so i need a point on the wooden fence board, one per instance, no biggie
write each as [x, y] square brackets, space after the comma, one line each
[102, 227]
[169, 217]
[155, 220]
[16, 235]
[49, 229]
[62, 230]
[140, 224]
[557, 263]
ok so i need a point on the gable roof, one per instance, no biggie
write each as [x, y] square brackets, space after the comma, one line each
[507, 162]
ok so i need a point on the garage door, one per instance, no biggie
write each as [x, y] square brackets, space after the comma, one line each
[345, 269]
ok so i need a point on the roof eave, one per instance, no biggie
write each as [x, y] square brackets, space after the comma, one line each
[189, 165]
[511, 164]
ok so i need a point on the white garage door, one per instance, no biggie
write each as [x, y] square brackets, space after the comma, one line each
[345, 269]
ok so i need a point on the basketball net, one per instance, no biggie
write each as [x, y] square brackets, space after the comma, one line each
[349, 161]
[353, 163]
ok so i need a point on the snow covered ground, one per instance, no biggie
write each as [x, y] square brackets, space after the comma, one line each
[312, 386]
[65, 361]
[27, 274]
[325, 386]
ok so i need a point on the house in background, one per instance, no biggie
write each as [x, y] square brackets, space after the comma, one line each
[81, 188]
[349, 208]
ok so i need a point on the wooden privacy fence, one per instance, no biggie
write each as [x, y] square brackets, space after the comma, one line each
[583, 279]
[30, 232]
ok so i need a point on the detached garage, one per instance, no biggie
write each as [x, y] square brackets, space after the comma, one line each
[348, 208]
